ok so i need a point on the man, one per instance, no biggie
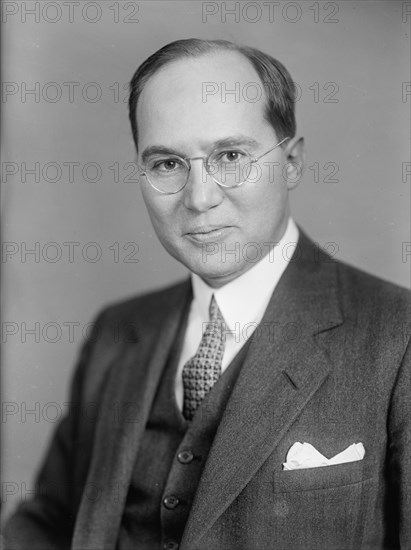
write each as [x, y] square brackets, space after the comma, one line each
[224, 403]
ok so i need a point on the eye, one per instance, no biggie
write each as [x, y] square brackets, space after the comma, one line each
[231, 156]
[169, 165]
[165, 165]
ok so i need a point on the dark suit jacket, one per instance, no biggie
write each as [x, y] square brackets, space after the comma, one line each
[329, 365]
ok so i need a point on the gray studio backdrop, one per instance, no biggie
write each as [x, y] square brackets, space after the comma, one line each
[69, 194]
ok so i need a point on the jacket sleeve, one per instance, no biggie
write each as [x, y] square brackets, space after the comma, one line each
[399, 454]
[46, 522]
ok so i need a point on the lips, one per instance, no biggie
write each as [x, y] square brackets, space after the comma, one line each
[205, 229]
[208, 233]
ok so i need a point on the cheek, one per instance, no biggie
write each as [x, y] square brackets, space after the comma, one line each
[261, 202]
[162, 212]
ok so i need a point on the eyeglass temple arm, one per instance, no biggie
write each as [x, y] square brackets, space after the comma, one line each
[272, 148]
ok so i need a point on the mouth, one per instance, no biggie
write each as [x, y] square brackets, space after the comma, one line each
[209, 233]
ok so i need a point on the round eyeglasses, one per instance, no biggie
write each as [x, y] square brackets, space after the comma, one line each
[169, 174]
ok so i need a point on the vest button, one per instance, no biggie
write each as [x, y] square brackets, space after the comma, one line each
[185, 457]
[171, 502]
[171, 545]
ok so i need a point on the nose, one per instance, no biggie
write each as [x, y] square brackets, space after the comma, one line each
[201, 192]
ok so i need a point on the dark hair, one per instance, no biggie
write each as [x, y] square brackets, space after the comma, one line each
[277, 82]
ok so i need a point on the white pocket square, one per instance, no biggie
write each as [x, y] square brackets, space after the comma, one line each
[304, 455]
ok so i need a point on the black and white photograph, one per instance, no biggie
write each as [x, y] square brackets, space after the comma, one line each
[206, 273]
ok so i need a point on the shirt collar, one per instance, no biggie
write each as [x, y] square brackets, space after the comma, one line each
[245, 299]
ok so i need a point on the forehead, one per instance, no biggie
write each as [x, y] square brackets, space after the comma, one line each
[206, 97]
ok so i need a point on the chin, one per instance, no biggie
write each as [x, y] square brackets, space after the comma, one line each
[208, 267]
[219, 274]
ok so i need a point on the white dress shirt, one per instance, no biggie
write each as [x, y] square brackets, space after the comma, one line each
[242, 303]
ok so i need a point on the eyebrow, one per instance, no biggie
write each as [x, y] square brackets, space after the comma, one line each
[239, 140]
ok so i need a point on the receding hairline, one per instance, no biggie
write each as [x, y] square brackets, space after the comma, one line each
[218, 52]
[276, 81]
[221, 51]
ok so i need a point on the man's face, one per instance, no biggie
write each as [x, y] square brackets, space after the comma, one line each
[215, 232]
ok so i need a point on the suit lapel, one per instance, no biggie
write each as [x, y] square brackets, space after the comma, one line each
[284, 368]
[126, 403]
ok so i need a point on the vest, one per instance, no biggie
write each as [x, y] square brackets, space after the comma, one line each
[171, 458]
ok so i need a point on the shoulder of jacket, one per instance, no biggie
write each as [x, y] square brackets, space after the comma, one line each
[146, 305]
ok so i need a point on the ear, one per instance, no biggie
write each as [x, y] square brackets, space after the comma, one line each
[295, 160]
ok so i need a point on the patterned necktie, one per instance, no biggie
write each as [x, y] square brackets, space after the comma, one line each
[202, 371]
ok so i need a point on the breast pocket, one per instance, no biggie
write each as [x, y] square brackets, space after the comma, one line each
[324, 477]
[325, 506]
